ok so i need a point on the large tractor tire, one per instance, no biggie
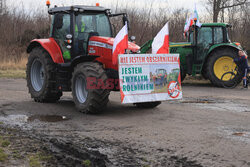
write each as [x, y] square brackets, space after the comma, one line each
[40, 76]
[147, 104]
[204, 72]
[90, 101]
[220, 62]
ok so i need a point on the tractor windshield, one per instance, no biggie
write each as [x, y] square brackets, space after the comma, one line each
[94, 23]
[86, 24]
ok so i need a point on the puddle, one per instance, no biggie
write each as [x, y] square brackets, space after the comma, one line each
[239, 134]
[236, 134]
[24, 119]
[228, 106]
[218, 104]
[14, 119]
[6, 104]
[200, 101]
[47, 118]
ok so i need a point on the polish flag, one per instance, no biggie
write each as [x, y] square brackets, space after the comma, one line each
[189, 23]
[161, 41]
[120, 43]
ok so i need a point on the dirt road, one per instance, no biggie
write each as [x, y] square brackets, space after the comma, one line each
[209, 127]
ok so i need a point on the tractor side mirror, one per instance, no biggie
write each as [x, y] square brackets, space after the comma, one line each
[69, 36]
[132, 38]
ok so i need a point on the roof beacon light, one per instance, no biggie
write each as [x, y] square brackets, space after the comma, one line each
[237, 43]
[48, 3]
[97, 4]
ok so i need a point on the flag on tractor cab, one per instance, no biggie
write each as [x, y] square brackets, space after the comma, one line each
[190, 20]
[189, 23]
[186, 27]
[161, 41]
[196, 17]
[120, 43]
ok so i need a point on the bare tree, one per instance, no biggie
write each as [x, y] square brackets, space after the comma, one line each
[2, 6]
[220, 6]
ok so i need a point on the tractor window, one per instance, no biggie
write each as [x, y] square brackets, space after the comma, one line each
[87, 25]
[205, 36]
[94, 23]
[61, 26]
[218, 35]
[103, 25]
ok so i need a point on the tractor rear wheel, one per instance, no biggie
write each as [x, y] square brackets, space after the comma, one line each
[89, 100]
[147, 104]
[220, 62]
[40, 79]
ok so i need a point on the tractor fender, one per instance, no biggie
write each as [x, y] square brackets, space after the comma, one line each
[81, 59]
[219, 46]
[50, 46]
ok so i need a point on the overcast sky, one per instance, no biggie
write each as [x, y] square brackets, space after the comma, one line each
[187, 4]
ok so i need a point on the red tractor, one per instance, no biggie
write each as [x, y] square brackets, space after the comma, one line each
[79, 48]
[160, 77]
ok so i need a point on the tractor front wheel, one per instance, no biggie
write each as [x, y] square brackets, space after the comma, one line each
[40, 79]
[92, 99]
[221, 62]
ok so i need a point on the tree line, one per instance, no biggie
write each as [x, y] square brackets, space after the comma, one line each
[17, 27]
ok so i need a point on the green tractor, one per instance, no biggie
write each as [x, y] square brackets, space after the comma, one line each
[208, 52]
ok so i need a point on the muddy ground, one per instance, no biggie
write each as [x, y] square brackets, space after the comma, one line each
[209, 127]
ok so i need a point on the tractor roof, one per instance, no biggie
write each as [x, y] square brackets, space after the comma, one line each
[215, 25]
[72, 8]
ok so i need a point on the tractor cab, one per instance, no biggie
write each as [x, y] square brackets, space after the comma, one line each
[72, 27]
[85, 31]
[205, 37]
[209, 34]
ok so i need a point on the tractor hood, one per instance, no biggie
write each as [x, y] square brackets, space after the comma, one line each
[107, 42]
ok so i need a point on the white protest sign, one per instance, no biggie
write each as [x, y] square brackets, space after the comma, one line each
[149, 77]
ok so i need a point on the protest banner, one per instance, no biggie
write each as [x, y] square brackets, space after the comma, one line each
[149, 77]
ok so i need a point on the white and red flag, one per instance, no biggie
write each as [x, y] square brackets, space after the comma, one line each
[189, 23]
[190, 20]
[161, 41]
[120, 43]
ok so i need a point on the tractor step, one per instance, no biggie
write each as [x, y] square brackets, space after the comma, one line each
[197, 68]
[63, 77]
